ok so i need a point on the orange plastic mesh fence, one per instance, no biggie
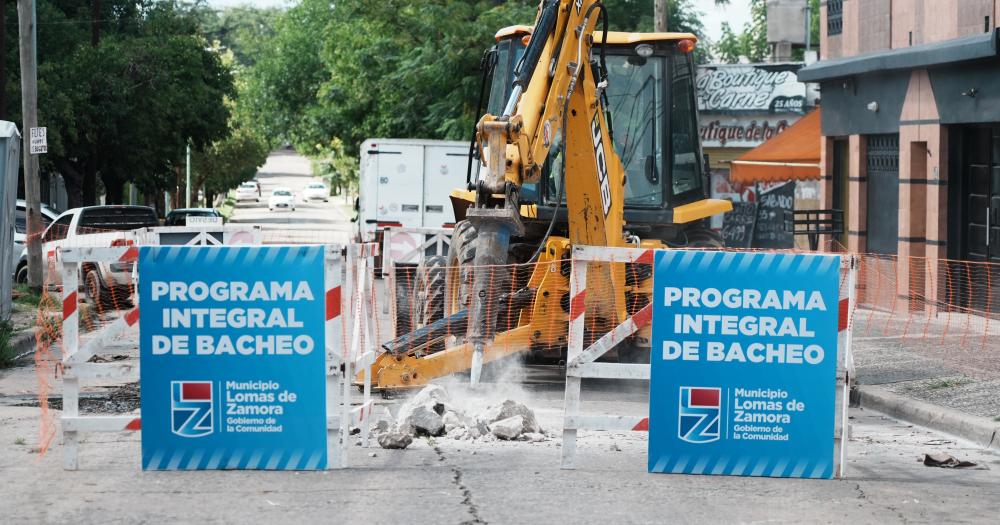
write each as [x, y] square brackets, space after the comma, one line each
[943, 312]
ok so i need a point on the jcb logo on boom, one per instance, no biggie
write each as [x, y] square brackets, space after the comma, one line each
[602, 165]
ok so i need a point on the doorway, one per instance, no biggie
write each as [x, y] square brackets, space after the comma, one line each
[980, 215]
[883, 194]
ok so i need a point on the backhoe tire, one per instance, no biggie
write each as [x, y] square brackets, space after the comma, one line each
[430, 284]
[701, 236]
[404, 277]
[460, 273]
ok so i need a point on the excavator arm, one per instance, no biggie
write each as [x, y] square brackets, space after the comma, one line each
[557, 95]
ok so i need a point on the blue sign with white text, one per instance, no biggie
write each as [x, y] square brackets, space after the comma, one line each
[743, 364]
[232, 354]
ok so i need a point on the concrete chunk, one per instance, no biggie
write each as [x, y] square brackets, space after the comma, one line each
[511, 408]
[508, 428]
[425, 420]
[395, 439]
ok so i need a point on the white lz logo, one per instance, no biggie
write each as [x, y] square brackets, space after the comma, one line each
[602, 165]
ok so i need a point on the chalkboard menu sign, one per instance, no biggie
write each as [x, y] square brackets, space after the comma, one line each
[769, 231]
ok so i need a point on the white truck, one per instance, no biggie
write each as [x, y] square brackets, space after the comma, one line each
[406, 183]
[94, 226]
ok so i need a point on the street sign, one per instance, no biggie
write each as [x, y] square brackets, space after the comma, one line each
[194, 220]
[39, 142]
[743, 364]
[232, 355]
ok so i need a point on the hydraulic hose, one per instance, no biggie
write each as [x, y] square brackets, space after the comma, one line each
[565, 123]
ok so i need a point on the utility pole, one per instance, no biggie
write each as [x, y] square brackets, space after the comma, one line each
[29, 110]
[661, 13]
[3, 63]
[187, 181]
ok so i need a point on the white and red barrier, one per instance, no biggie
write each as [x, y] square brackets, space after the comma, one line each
[581, 362]
[403, 245]
[347, 312]
[76, 363]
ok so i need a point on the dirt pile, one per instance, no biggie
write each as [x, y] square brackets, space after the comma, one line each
[432, 412]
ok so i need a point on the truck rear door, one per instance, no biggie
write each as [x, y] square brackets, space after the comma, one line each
[444, 170]
[400, 184]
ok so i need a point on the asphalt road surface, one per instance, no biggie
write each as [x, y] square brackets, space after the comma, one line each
[312, 221]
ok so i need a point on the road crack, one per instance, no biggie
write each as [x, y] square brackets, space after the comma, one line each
[456, 479]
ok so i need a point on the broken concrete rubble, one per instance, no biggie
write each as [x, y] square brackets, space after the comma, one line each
[430, 412]
[424, 421]
[509, 428]
[511, 408]
[395, 439]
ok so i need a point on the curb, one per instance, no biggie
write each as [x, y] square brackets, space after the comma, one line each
[979, 430]
[24, 343]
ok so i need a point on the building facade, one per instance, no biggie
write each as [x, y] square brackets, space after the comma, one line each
[910, 94]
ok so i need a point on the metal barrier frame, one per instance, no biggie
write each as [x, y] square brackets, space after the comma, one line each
[340, 360]
[581, 362]
[439, 238]
[204, 235]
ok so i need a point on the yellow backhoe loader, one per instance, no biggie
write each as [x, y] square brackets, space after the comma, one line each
[590, 138]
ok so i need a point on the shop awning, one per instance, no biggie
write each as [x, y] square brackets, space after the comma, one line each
[791, 155]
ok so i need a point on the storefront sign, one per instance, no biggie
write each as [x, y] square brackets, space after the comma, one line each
[739, 132]
[232, 357]
[744, 361]
[753, 88]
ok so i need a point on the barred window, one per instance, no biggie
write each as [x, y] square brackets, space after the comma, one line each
[834, 17]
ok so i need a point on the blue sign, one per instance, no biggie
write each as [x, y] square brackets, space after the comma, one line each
[743, 364]
[233, 357]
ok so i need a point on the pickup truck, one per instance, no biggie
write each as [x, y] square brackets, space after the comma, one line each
[105, 284]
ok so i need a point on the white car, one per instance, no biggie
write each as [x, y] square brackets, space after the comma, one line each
[316, 190]
[249, 190]
[281, 199]
[21, 227]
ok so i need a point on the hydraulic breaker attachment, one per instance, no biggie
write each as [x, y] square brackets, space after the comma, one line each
[494, 228]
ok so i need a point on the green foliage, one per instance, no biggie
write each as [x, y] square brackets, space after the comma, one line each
[228, 162]
[123, 110]
[751, 43]
[27, 295]
[6, 350]
[242, 29]
[336, 167]
[333, 74]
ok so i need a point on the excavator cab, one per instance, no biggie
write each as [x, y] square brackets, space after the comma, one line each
[652, 111]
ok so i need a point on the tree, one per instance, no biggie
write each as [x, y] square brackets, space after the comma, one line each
[227, 163]
[751, 43]
[241, 29]
[124, 110]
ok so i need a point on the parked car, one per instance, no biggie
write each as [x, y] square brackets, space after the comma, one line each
[281, 199]
[316, 190]
[21, 226]
[179, 217]
[93, 226]
[249, 190]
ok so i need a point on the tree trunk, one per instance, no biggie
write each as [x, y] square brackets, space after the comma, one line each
[209, 199]
[74, 183]
[89, 188]
[113, 189]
